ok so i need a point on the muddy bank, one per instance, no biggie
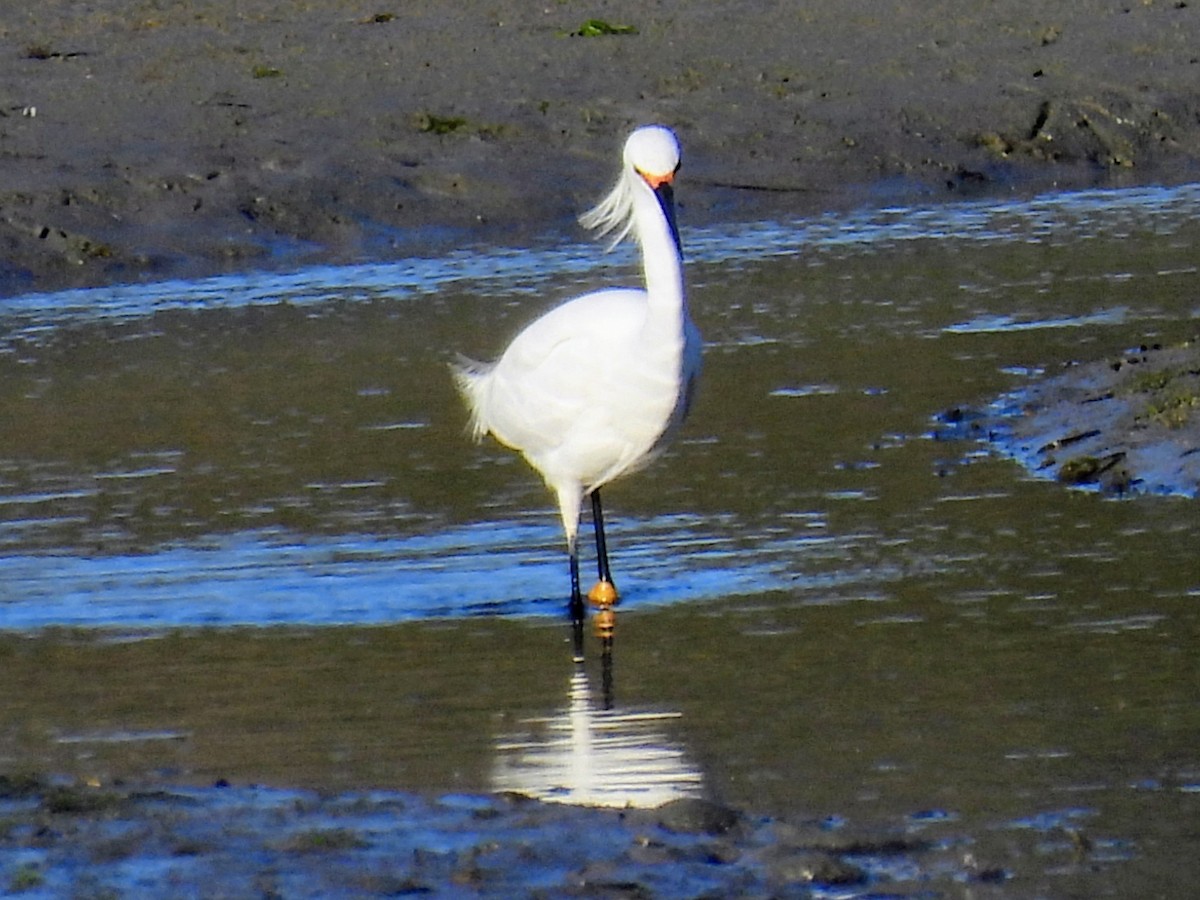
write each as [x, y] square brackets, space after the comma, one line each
[146, 140]
[1129, 424]
[153, 841]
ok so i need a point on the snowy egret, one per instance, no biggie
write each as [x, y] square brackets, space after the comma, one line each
[594, 388]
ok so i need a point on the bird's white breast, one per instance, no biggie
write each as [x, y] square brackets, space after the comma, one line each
[590, 388]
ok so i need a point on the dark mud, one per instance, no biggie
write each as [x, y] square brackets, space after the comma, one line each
[1130, 424]
[67, 839]
[144, 140]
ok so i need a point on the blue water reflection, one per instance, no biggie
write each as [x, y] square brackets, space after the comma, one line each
[501, 568]
[1055, 218]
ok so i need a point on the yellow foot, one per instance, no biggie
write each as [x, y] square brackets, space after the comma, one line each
[603, 594]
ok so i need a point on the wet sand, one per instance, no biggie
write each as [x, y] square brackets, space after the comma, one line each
[239, 842]
[140, 141]
[1122, 425]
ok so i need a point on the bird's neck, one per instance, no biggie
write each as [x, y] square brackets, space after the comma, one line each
[661, 262]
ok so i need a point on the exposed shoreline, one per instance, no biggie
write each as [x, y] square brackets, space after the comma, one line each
[139, 143]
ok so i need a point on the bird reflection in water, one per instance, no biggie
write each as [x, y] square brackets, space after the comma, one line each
[591, 754]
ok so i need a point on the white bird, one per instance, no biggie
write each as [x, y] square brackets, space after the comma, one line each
[594, 388]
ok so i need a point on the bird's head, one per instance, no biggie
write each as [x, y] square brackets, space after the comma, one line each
[651, 159]
[653, 152]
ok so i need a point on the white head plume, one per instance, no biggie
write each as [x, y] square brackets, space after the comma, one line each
[650, 151]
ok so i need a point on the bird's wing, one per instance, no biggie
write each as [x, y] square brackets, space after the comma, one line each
[550, 374]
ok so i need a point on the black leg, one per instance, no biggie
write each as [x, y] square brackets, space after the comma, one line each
[576, 607]
[601, 544]
[606, 671]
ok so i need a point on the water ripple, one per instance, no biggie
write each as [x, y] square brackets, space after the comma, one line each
[275, 578]
[1057, 217]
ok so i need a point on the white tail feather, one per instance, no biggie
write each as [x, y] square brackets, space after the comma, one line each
[471, 379]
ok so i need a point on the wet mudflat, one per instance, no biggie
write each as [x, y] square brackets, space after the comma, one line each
[1123, 424]
[246, 543]
[143, 143]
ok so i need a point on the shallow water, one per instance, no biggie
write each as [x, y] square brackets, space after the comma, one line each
[827, 611]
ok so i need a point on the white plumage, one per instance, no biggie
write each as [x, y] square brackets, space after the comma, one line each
[593, 389]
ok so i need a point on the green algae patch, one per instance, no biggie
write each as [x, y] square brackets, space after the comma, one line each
[325, 840]
[601, 28]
